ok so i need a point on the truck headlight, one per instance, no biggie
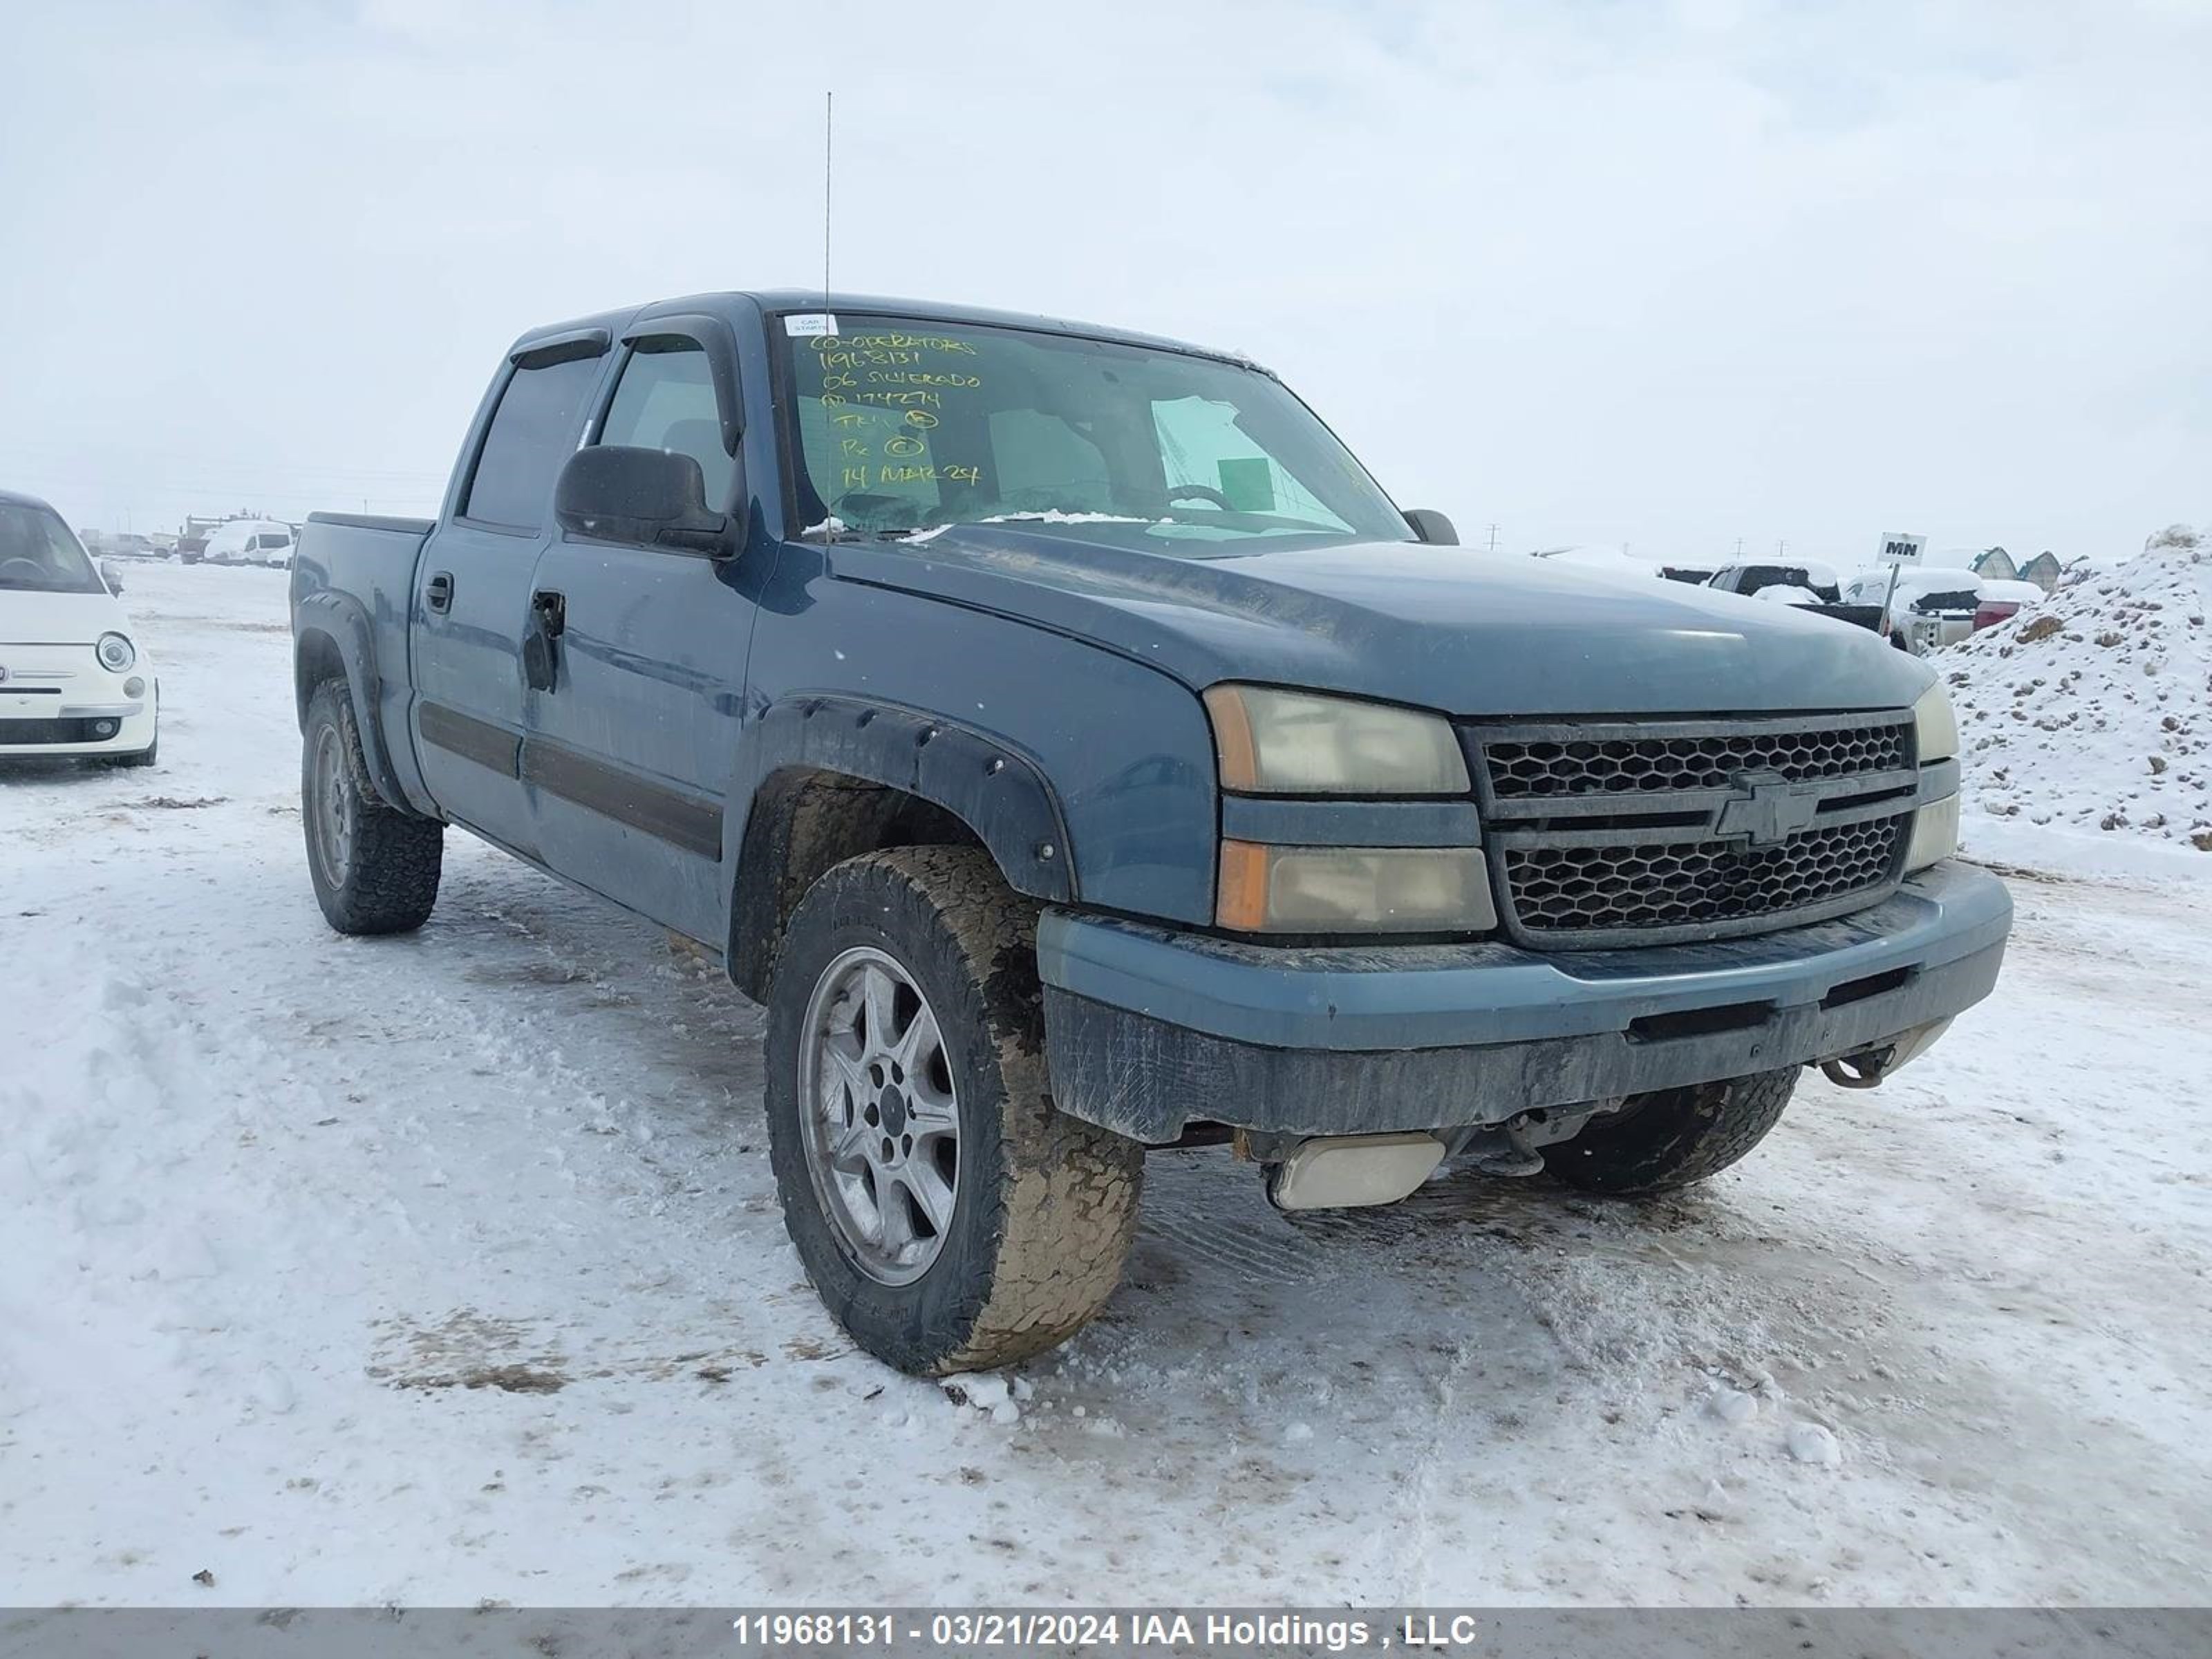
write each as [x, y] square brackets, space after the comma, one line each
[1935, 729]
[1935, 833]
[116, 654]
[1269, 742]
[1336, 890]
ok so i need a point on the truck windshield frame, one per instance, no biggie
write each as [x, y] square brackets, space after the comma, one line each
[900, 424]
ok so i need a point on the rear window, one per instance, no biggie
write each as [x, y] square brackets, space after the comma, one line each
[1964, 599]
[534, 430]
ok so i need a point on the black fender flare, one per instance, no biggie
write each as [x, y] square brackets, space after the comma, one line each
[327, 625]
[993, 787]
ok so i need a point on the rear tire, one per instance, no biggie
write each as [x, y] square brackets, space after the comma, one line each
[1673, 1137]
[1042, 1208]
[374, 868]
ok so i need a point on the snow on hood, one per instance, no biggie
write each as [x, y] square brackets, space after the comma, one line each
[2093, 709]
[39, 618]
[1785, 594]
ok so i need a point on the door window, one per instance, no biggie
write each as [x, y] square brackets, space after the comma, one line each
[665, 400]
[532, 432]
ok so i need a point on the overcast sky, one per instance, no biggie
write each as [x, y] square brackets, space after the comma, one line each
[1666, 275]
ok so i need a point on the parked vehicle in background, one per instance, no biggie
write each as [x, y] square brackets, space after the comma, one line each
[1805, 584]
[191, 546]
[1080, 754]
[1748, 579]
[128, 545]
[250, 541]
[73, 682]
[2002, 600]
[1930, 606]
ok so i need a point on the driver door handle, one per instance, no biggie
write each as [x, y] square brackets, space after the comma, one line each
[438, 595]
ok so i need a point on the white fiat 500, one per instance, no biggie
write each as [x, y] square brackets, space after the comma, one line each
[73, 679]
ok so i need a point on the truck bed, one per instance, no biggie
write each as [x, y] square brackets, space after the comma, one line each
[353, 594]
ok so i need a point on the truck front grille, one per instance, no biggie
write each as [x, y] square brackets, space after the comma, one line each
[1677, 884]
[1533, 768]
[1611, 833]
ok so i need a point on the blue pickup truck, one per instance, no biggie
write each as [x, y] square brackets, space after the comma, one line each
[1079, 755]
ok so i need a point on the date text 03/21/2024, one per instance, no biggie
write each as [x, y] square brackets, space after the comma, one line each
[1263, 1632]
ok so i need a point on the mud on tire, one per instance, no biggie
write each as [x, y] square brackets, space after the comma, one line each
[387, 881]
[1673, 1137]
[1044, 1206]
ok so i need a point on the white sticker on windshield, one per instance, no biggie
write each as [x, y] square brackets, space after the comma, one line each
[810, 325]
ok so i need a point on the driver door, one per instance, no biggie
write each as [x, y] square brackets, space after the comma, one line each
[628, 754]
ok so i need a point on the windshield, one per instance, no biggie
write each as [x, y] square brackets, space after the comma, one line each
[39, 554]
[906, 425]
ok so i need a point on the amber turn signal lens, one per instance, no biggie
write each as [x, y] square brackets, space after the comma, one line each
[1242, 904]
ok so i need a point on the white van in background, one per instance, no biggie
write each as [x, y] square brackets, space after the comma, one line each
[250, 541]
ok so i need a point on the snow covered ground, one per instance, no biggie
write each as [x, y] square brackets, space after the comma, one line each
[449, 1267]
[2090, 715]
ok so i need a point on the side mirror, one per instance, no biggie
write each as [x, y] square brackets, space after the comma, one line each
[1431, 526]
[109, 574]
[652, 496]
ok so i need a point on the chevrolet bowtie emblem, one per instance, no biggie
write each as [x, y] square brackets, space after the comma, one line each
[1766, 808]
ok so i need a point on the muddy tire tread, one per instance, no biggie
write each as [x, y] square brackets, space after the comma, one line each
[398, 856]
[1676, 1137]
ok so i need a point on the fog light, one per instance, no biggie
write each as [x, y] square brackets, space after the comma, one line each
[103, 728]
[134, 687]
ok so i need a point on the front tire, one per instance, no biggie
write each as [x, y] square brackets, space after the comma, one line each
[950, 1218]
[374, 868]
[1671, 1138]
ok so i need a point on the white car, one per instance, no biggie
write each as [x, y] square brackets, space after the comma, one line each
[73, 681]
[250, 541]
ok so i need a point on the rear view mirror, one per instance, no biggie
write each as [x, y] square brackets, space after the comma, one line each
[652, 496]
[109, 574]
[1431, 526]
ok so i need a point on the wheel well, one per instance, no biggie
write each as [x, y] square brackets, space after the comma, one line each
[804, 823]
[316, 658]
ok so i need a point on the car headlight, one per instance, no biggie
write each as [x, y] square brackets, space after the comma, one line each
[1935, 726]
[1935, 833]
[116, 653]
[1370, 889]
[1295, 743]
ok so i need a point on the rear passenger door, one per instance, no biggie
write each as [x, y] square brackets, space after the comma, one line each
[628, 756]
[473, 588]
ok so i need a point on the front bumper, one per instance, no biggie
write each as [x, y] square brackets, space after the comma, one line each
[1148, 1030]
[55, 699]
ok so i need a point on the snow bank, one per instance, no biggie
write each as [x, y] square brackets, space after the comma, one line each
[2094, 711]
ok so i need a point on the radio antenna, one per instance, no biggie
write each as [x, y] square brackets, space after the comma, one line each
[829, 117]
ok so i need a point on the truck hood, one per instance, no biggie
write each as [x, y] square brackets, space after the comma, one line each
[1451, 628]
[41, 618]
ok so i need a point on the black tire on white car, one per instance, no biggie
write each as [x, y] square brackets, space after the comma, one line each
[951, 1217]
[374, 866]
